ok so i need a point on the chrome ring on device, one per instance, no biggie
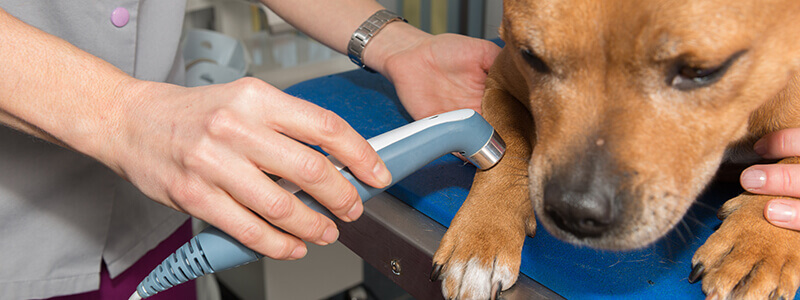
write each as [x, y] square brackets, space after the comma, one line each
[489, 154]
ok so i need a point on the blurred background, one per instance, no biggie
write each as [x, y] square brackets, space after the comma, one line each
[283, 56]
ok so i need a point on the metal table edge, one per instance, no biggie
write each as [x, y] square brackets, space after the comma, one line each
[400, 242]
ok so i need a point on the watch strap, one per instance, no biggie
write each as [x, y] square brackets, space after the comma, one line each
[365, 32]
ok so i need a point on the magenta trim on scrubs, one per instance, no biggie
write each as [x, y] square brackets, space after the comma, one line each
[125, 284]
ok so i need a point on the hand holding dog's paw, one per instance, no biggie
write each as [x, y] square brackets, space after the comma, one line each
[429, 78]
[477, 260]
[747, 258]
[777, 179]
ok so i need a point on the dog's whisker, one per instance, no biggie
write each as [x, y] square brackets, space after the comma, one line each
[688, 230]
[667, 245]
[704, 205]
[680, 235]
[683, 239]
[690, 216]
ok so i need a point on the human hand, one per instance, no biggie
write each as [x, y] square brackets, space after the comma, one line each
[777, 179]
[432, 74]
[202, 151]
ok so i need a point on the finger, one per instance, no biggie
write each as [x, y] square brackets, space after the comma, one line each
[777, 179]
[312, 172]
[252, 188]
[491, 50]
[317, 126]
[779, 144]
[218, 209]
[282, 156]
[783, 213]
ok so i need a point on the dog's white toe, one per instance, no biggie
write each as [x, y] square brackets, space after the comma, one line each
[475, 279]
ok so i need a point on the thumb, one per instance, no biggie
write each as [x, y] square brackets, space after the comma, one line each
[491, 52]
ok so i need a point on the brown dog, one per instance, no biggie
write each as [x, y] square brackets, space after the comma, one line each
[617, 114]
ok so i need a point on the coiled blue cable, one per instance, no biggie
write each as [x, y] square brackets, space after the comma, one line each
[187, 263]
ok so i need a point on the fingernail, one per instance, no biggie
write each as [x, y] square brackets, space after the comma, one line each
[355, 212]
[780, 212]
[382, 173]
[760, 147]
[298, 252]
[330, 235]
[753, 179]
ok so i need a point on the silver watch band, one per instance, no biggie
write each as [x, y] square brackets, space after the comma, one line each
[365, 32]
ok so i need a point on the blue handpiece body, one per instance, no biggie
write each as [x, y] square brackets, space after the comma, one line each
[404, 150]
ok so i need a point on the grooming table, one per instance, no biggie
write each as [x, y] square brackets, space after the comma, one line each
[401, 228]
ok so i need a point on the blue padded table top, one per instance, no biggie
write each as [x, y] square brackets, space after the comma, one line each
[369, 103]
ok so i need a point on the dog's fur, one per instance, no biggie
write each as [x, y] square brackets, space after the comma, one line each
[610, 139]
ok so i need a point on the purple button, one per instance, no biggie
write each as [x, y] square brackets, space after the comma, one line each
[120, 16]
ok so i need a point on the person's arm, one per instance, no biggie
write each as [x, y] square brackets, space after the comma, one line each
[432, 74]
[333, 23]
[44, 79]
[198, 150]
[777, 179]
[329, 22]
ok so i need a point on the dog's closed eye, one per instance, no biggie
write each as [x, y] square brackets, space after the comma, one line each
[535, 61]
[687, 77]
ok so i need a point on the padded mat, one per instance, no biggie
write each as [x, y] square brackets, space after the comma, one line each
[369, 103]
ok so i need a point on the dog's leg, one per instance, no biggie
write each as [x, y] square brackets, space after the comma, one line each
[747, 257]
[481, 251]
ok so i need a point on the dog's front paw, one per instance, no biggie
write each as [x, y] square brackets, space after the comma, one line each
[477, 260]
[748, 258]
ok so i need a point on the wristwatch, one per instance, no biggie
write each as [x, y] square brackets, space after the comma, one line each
[365, 32]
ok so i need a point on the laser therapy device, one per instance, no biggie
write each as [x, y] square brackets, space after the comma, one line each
[404, 150]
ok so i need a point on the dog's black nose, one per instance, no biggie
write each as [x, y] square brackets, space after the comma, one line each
[584, 212]
[582, 198]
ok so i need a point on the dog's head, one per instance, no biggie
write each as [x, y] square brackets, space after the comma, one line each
[635, 103]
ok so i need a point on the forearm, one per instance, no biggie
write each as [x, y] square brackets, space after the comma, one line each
[53, 90]
[201, 150]
[333, 23]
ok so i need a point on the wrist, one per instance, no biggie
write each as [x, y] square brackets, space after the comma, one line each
[107, 145]
[394, 38]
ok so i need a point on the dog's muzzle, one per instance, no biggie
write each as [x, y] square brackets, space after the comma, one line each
[582, 199]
